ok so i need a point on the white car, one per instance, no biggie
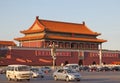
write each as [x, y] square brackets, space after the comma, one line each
[18, 72]
[74, 67]
[66, 74]
[36, 72]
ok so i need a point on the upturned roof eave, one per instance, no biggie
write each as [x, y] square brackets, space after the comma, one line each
[27, 38]
[95, 34]
[9, 43]
[76, 39]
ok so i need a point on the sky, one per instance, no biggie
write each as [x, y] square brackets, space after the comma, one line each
[102, 16]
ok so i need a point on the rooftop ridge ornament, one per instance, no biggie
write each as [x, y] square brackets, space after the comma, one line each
[83, 22]
[37, 17]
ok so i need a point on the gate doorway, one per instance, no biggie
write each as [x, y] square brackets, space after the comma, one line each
[80, 62]
[66, 62]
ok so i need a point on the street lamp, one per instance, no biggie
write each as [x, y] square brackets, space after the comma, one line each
[53, 52]
[100, 55]
[9, 48]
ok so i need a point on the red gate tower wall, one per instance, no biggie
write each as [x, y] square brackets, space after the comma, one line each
[67, 36]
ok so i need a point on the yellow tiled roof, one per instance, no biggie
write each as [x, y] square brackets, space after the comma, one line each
[75, 39]
[64, 27]
[7, 43]
[57, 26]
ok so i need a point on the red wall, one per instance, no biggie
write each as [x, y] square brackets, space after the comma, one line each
[38, 56]
[32, 44]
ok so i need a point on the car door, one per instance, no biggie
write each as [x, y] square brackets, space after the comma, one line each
[63, 74]
[59, 74]
[11, 72]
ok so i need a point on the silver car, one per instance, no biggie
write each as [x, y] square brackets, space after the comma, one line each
[66, 74]
[36, 72]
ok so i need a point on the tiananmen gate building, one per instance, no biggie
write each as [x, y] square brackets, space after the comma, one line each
[76, 43]
[65, 35]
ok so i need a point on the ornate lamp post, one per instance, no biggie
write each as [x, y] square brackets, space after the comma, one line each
[9, 48]
[53, 53]
[100, 55]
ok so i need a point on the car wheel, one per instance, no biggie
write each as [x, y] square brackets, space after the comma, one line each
[42, 76]
[67, 78]
[78, 79]
[28, 79]
[55, 77]
[9, 79]
[15, 79]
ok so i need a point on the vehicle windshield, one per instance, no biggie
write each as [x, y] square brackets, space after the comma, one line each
[23, 68]
[70, 71]
[46, 67]
[74, 66]
[35, 69]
